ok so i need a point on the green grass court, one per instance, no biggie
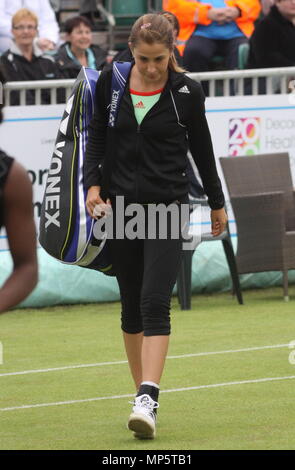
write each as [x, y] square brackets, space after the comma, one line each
[228, 381]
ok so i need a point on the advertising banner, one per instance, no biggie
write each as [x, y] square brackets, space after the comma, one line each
[243, 125]
[28, 134]
[248, 125]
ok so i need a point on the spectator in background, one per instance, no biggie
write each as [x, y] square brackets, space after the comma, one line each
[24, 60]
[78, 50]
[214, 27]
[48, 28]
[273, 41]
[16, 215]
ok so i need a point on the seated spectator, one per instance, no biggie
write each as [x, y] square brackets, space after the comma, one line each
[273, 41]
[215, 27]
[78, 50]
[24, 60]
[48, 28]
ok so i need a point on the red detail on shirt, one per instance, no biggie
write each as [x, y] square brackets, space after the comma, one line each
[140, 105]
[148, 93]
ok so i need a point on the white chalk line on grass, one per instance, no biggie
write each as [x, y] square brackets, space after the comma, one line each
[181, 356]
[183, 389]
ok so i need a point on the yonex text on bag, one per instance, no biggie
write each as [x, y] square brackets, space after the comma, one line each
[66, 229]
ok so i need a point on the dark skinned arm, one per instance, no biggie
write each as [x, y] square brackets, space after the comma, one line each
[21, 233]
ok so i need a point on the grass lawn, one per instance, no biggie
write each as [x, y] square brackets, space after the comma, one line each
[228, 382]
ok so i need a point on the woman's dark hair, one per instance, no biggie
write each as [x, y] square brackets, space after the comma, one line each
[173, 20]
[74, 22]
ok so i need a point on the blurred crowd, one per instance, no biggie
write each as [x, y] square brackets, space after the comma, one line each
[220, 27]
[31, 47]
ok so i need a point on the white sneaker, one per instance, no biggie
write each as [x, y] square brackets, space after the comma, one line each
[143, 418]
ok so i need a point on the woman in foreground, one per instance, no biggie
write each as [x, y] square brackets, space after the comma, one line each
[144, 159]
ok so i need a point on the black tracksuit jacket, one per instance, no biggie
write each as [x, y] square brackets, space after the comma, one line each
[17, 68]
[147, 163]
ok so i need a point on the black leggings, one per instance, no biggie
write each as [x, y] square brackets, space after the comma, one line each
[146, 271]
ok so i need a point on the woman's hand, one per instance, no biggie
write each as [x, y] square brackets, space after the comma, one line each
[232, 13]
[218, 221]
[96, 207]
[217, 14]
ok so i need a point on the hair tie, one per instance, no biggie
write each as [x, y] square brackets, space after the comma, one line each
[145, 25]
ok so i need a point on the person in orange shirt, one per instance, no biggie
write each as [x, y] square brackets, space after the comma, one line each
[214, 27]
